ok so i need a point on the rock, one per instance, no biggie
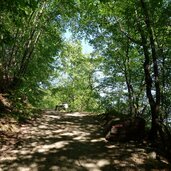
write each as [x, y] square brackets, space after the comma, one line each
[152, 155]
[114, 132]
[123, 130]
[108, 125]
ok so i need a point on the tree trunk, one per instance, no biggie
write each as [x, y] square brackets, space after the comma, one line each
[128, 79]
[154, 102]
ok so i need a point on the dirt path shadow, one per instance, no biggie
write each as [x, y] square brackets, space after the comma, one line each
[73, 142]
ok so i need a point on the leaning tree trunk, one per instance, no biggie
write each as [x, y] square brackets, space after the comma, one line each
[150, 58]
[153, 101]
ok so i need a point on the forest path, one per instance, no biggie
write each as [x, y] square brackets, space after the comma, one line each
[73, 142]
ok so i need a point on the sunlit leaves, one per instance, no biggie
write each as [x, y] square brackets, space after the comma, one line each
[30, 40]
[113, 28]
[75, 82]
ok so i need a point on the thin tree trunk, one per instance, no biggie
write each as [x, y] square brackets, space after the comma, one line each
[25, 65]
[128, 80]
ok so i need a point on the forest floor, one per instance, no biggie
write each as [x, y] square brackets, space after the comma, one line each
[73, 142]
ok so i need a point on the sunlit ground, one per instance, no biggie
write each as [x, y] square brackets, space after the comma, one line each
[73, 142]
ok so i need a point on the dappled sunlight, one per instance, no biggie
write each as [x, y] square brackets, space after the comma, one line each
[93, 165]
[111, 146]
[81, 136]
[46, 148]
[70, 141]
[97, 140]
[138, 158]
[53, 116]
[76, 114]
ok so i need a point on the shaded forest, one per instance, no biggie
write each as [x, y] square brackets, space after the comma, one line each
[126, 75]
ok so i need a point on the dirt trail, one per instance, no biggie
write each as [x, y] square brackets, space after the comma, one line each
[73, 142]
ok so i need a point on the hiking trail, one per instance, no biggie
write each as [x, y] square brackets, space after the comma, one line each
[73, 142]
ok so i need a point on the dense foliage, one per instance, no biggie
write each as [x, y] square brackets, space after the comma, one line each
[27, 50]
[133, 37]
[73, 81]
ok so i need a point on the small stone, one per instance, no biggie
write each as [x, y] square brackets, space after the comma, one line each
[152, 155]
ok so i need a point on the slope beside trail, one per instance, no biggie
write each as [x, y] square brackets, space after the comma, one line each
[73, 142]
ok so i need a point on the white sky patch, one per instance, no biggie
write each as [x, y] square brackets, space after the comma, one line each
[86, 48]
